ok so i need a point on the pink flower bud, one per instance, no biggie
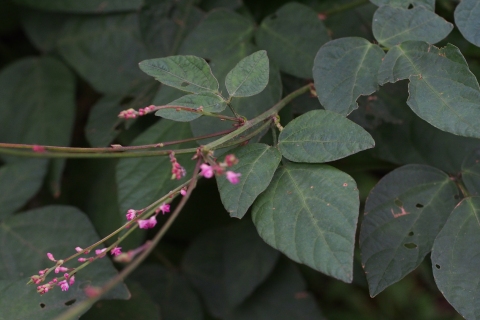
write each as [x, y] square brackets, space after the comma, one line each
[37, 148]
[72, 280]
[78, 249]
[116, 251]
[50, 256]
[231, 160]
[82, 259]
[233, 177]
[164, 208]
[183, 192]
[206, 171]
[147, 224]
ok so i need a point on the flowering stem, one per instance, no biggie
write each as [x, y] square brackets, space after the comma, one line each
[202, 112]
[85, 305]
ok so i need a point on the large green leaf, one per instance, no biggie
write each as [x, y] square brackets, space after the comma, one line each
[282, 296]
[392, 26]
[170, 291]
[309, 212]
[26, 239]
[443, 91]
[141, 181]
[455, 257]
[209, 101]
[227, 265]
[257, 164]
[43, 28]
[292, 37]
[403, 215]
[187, 73]
[320, 136]
[18, 183]
[249, 77]
[84, 6]
[467, 18]
[345, 69]
[429, 4]
[471, 172]
[105, 51]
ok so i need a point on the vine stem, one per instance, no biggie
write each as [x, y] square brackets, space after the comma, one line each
[458, 181]
[85, 305]
[205, 113]
[345, 7]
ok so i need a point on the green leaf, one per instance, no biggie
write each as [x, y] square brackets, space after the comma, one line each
[429, 4]
[320, 136]
[84, 6]
[18, 183]
[43, 28]
[171, 291]
[249, 77]
[143, 180]
[403, 214]
[471, 172]
[187, 73]
[467, 18]
[139, 307]
[455, 256]
[257, 164]
[443, 91]
[209, 101]
[103, 121]
[279, 298]
[392, 26]
[105, 51]
[345, 69]
[309, 212]
[292, 37]
[27, 238]
[226, 265]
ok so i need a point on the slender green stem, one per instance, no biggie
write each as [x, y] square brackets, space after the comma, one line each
[85, 305]
[245, 138]
[274, 135]
[345, 7]
[459, 182]
[202, 112]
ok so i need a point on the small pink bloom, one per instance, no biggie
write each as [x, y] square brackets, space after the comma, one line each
[183, 192]
[78, 249]
[50, 256]
[42, 272]
[231, 160]
[37, 148]
[164, 208]
[147, 224]
[82, 259]
[92, 291]
[64, 285]
[207, 171]
[44, 288]
[100, 251]
[131, 214]
[60, 269]
[72, 280]
[116, 251]
[233, 177]
[36, 279]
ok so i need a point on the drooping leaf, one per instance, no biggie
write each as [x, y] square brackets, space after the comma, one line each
[140, 306]
[84, 6]
[227, 265]
[18, 183]
[27, 238]
[345, 69]
[321, 136]
[103, 121]
[467, 18]
[187, 73]
[454, 258]
[471, 172]
[143, 180]
[429, 4]
[403, 215]
[209, 101]
[292, 37]
[105, 51]
[257, 164]
[249, 77]
[282, 296]
[309, 212]
[392, 26]
[443, 91]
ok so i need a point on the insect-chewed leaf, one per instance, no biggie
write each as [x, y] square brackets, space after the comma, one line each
[467, 18]
[250, 75]
[403, 215]
[309, 212]
[187, 73]
[320, 136]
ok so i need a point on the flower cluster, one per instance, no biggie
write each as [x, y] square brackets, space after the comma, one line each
[208, 171]
[178, 172]
[132, 114]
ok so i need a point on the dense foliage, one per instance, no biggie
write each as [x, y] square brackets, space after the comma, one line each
[342, 137]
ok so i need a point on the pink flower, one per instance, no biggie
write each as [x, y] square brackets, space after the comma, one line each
[82, 259]
[233, 177]
[230, 160]
[147, 224]
[131, 214]
[36, 279]
[183, 192]
[100, 251]
[50, 256]
[60, 269]
[72, 280]
[207, 171]
[64, 285]
[78, 249]
[116, 251]
[37, 148]
[164, 208]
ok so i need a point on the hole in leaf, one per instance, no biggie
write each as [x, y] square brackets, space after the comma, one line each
[419, 205]
[437, 266]
[184, 84]
[42, 305]
[398, 203]
[410, 245]
[70, 302]
[410, 233]
[410, 6]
